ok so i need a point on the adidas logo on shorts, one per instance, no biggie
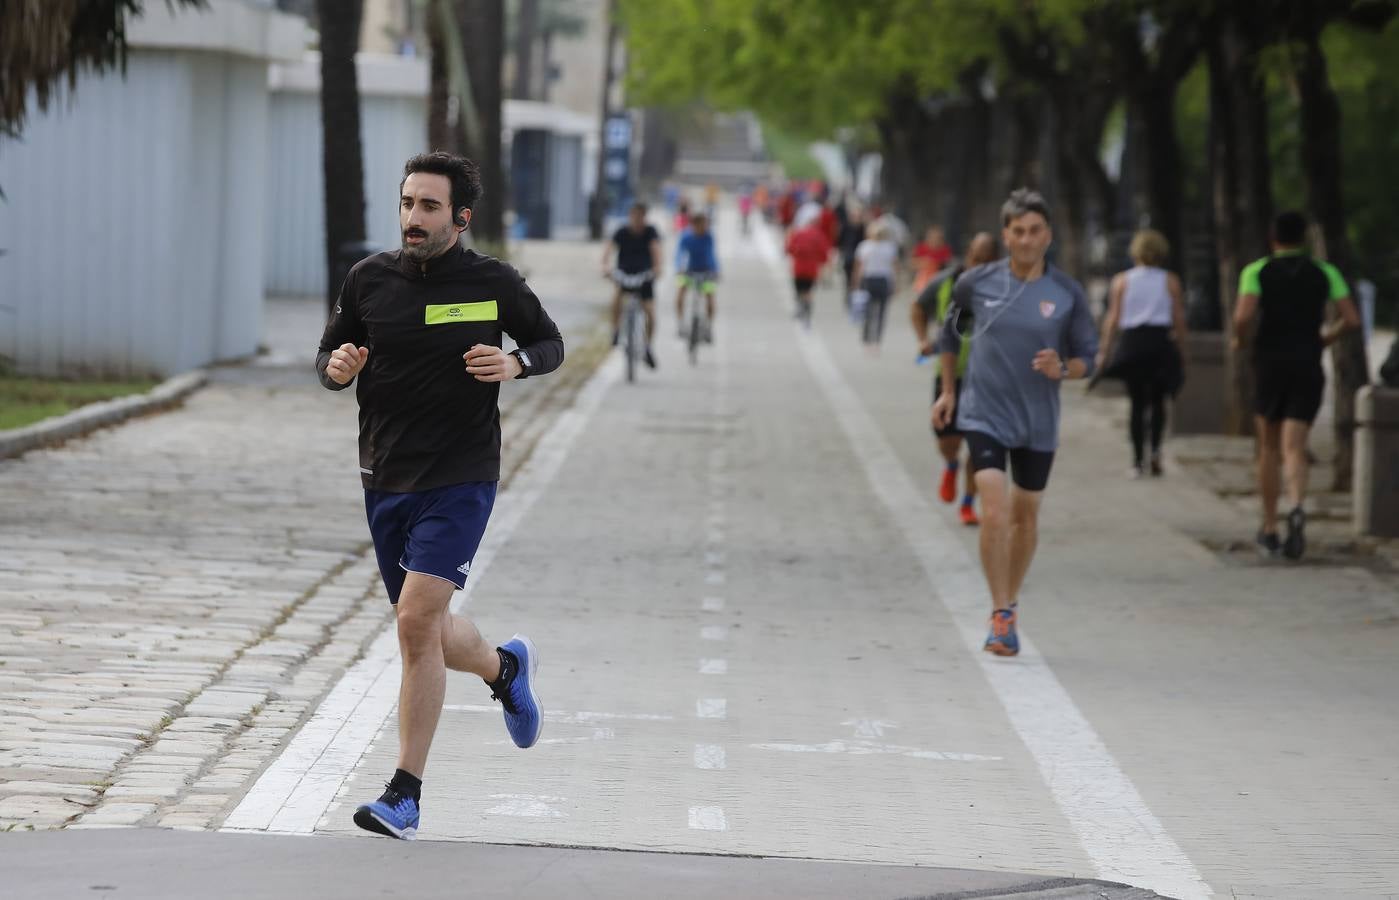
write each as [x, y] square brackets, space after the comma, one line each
[465, 568]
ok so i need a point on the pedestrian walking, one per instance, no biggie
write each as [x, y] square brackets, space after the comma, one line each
[852, 232]
[1146, 304]
[876, 272]
[1031, 329]
[930, 311]
[420, 331]
[1292, 296]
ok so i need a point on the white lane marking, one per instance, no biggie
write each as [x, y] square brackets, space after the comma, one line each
[708, 818]
[714, 557]
[599, 734]
[712, 604]
[528, 806]
[714, 577]
[1125, 841]
[714, 632]
[711, 708]
[709, 756]
[868, 728]
[868, 748]
[582, 717]
[296, 790]
[715, 536]
[714, 667]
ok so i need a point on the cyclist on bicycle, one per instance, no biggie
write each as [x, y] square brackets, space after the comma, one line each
[697, 266]
[638, 246]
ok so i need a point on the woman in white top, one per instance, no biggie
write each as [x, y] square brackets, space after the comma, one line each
[1146, 304]
[876, 272]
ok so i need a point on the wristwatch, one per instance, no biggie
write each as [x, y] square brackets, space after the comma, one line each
[1063, 370]
[526, 367]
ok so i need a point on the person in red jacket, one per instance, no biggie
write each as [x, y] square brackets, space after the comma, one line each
[809, 249]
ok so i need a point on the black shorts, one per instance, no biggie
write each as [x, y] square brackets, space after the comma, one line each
[1029, 469]
[951, 429]
[803, 285]
[645, 291]
[1288, 389]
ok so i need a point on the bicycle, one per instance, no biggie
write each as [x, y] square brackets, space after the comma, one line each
[633, 316]
[695, 325]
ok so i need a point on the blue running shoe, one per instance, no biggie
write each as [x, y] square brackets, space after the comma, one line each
[522, 716]
[1002, 640]
[393, 815]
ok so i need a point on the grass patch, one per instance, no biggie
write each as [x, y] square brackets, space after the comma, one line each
[792, 153]
[24, 401]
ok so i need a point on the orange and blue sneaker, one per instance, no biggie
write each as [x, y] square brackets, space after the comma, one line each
[1002, 640]
[947, 488]
[968, 513]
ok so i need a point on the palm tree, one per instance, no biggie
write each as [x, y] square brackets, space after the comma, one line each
[41, 41]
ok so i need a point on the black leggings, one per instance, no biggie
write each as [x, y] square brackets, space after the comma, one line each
[878, 288]
[1146, 393]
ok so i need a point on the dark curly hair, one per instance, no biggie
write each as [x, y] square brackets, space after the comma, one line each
[464, 175]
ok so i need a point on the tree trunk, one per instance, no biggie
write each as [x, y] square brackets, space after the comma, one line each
[341, 152]
[597, 210]
[442, 131]
[1153, 106]
[1242, 188]
[526, 30]
[483, 39]
[1321, 164]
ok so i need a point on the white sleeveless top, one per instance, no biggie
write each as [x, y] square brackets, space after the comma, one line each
[1146, 299]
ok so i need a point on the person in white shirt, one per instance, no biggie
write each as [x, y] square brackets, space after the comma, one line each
[876, 272]
[1146, 304]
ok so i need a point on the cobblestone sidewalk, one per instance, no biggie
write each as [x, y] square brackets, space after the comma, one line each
[177, 593]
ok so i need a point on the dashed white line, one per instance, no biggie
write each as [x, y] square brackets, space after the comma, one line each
[714, 633]
[709, 756]
[708, 818]
[712, 604]
[714, 667]
[711, 708]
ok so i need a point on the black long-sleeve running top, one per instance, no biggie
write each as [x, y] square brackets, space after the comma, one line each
[423, 421]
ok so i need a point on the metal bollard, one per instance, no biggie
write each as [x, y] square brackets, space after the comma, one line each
[1376, 485]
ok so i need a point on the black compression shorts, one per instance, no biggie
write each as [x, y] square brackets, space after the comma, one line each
[1288, 389]
[1029, 469]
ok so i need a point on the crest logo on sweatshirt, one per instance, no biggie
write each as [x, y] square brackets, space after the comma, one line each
[1046, 308]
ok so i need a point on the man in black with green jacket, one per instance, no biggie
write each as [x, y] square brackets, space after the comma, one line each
[421, 328]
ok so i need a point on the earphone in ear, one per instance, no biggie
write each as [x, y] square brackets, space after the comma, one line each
[460, 220]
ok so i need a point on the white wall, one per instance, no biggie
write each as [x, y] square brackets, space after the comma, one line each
[133, 225]
[393, 127]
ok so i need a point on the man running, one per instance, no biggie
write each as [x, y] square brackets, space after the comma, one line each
[421, 327]
[931, 306]
[1032, 329]
[638, 246]
[1290, 293]
[809, 250]
[697, 267]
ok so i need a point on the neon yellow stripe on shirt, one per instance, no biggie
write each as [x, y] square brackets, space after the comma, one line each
[450, 313]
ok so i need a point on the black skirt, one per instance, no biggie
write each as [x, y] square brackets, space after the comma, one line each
[1147, 355]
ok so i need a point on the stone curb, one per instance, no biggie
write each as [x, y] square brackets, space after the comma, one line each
[17, 441]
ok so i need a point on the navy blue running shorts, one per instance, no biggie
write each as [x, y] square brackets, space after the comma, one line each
[435, 532]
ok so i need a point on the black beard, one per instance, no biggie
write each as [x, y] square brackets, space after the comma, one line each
[432, 245]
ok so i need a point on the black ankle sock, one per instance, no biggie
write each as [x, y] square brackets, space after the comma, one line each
[406, 784]
[509, 665]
